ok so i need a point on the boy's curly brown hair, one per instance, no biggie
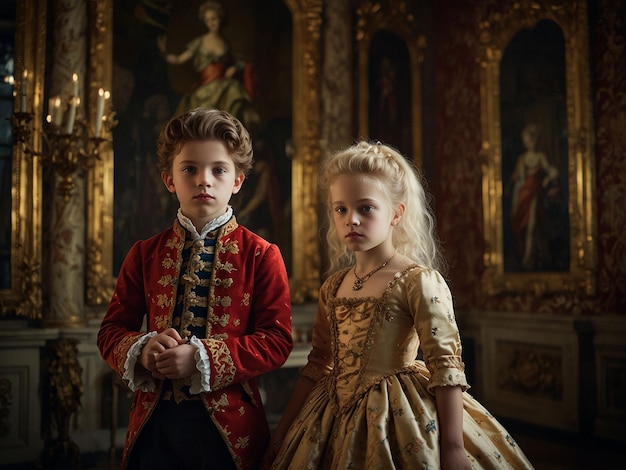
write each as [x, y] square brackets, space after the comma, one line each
[205, 124]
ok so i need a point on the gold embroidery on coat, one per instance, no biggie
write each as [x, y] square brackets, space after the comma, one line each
[167, 280]
[229, 246]
[246, 299]
[226, 282]
[221, 301]
[168, 263]
[163, 300]
[162, 322]
[242, 442]
[193, 300]
[219, 404]
[222, 362]
[121, 350]
[222, 321]
[224, 266]
[197, 321]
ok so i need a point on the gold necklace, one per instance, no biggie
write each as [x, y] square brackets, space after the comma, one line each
[358, 282]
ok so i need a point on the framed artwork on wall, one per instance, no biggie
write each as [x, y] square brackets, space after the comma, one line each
[390, 55]
[537, 152]
[266, 75]
[22, 44]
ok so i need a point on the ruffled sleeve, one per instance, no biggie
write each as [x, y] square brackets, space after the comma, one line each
[436, 326]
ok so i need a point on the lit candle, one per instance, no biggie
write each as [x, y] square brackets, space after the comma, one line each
[74, 85]
[99, 112]
[57, 114]
[24, 90]
[75, 101]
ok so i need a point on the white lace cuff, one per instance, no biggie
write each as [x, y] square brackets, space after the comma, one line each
[140, 379]
[200, 382]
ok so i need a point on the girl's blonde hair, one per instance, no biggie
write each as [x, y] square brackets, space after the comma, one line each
[400, 181]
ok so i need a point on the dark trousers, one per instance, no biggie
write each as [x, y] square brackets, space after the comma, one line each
[179, 437]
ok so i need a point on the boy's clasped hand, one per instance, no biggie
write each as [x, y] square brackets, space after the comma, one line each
[168, 355]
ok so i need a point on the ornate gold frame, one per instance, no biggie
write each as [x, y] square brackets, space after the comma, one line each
[99, 225]
[397, 20]
[305, 279]
[307, 66]
[24, 298]
[497, 29]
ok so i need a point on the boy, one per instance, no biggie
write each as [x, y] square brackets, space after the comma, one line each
[218, 310]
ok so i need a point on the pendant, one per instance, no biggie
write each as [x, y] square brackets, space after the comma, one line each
[357, 284]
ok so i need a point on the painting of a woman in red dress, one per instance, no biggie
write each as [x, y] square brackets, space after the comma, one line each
[533, 182]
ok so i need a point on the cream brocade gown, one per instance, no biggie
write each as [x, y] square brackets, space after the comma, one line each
[373, 405]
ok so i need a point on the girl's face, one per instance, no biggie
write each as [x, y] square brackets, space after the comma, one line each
[204, 178]
[362, 213]
[212, 20]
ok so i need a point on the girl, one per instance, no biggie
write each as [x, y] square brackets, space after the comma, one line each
[362, 399]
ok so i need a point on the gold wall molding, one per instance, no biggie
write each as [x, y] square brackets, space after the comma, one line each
[497, 27]
[374, 16]
[24, 298]
[307, 59]
[99, 265]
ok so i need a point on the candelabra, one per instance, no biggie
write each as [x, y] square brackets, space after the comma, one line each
[67, 146]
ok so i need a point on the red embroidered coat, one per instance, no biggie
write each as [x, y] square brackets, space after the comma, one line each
[248, 330]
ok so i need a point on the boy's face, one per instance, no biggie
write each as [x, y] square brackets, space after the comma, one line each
[203, 178]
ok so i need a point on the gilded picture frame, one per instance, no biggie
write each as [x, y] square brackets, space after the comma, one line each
[304, 256]
[557, 178]
[24, 296]
[390, 56]
[99, 282]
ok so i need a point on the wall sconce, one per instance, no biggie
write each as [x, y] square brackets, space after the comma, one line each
[70, 144]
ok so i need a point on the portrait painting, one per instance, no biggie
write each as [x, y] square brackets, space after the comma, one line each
[173, 56]
[534, 137]
[537, 159]
[390, 99]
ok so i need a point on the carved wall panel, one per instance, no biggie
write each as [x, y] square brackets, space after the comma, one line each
[527, 371]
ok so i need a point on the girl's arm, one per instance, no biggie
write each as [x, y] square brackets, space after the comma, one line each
[318, 366]
[441, 345]
[450, 411]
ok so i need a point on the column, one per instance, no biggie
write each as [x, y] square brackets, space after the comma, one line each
[65, 224]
